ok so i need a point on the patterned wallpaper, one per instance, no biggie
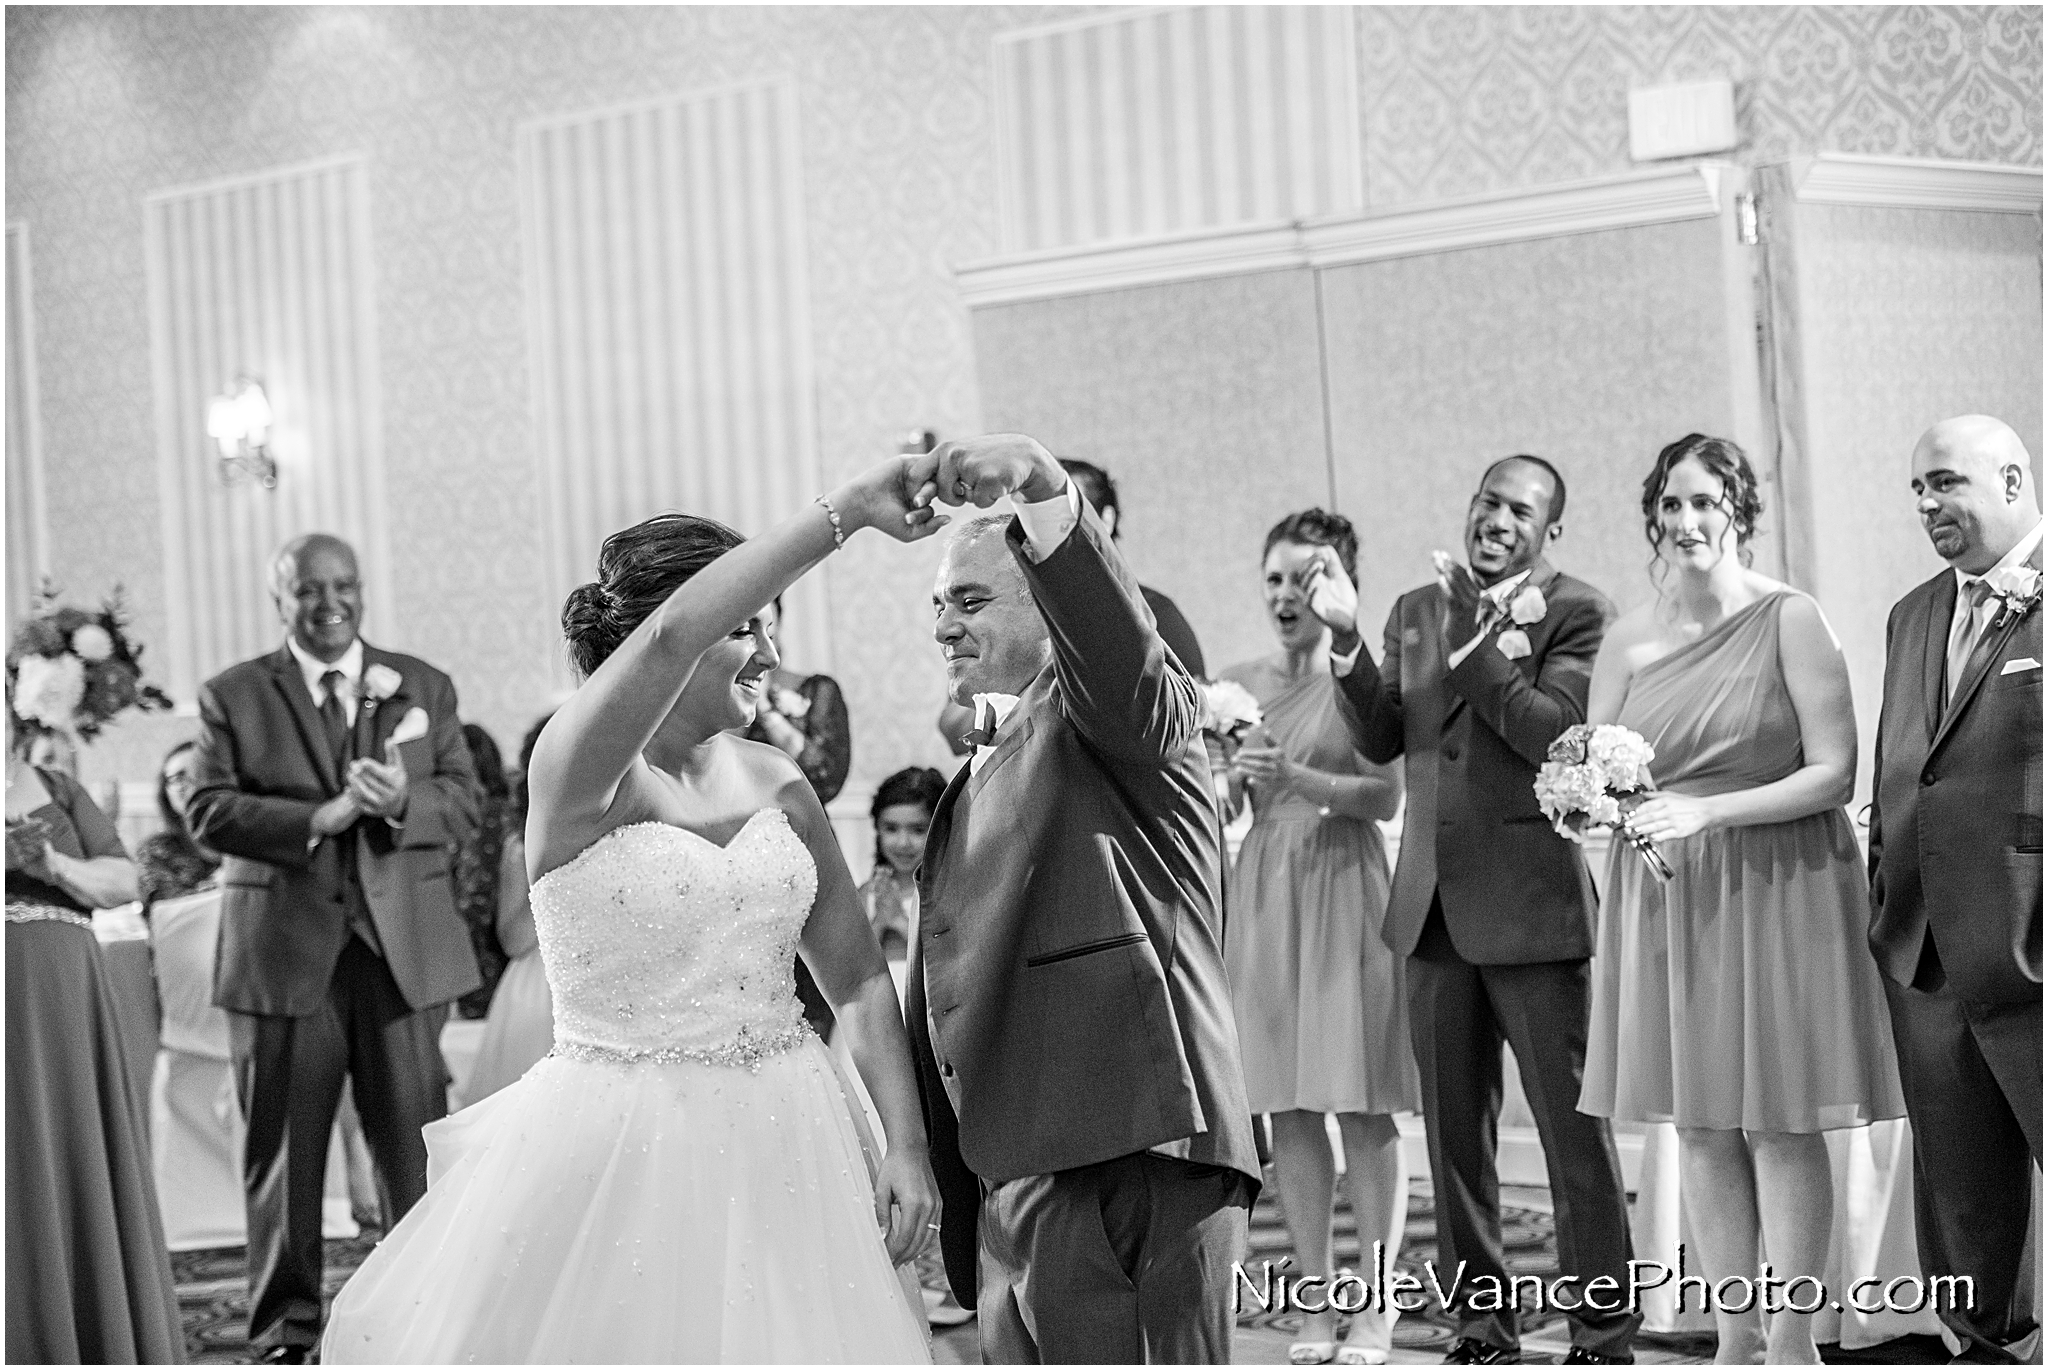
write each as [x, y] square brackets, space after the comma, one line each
[1462, 99]
[1907, 317]
[106, 105]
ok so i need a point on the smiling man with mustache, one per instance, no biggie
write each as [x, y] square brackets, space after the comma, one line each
[1494, 911]
[333, 777]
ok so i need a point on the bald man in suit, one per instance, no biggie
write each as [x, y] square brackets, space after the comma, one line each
[1955, 872]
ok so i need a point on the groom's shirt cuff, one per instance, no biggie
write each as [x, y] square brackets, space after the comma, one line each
[1047, 522]
[1341, 666]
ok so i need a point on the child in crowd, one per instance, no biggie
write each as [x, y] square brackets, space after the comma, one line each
[902, 812]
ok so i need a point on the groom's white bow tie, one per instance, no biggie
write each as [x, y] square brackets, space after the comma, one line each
[991, 711]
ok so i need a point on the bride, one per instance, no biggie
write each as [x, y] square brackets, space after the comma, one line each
[681, 1180]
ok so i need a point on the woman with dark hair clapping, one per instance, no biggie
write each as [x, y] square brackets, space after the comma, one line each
[1321, 1013]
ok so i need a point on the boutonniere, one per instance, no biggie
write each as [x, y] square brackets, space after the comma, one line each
[791, 705]
[380, 682]
[1528, 607]
[2016, 588]
[1513, 644]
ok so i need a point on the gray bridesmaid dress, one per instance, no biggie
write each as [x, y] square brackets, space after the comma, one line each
[1742, 994]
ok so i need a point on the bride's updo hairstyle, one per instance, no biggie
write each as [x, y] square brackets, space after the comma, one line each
[1739, 497]
[637, 570]
[1318, 528]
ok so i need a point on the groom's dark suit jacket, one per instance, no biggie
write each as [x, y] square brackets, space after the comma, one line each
[1955, 819]
[1071, 936]
[265, 765]
[1513, 891]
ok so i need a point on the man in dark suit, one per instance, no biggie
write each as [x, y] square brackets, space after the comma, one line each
[1067, 1001]
[1955, 872]
[334, 779]
[1493, 909]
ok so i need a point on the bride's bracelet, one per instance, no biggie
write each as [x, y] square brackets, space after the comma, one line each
[838, 528]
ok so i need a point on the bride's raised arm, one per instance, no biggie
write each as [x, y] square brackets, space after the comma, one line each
[594, 738]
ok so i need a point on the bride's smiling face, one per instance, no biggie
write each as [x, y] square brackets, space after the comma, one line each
[724, 692]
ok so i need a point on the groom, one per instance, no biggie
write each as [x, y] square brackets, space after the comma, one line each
[1067, 1002]
[1493, 910]
[1955, 872]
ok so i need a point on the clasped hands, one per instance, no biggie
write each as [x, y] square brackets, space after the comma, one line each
[374, 788]
[899, 496]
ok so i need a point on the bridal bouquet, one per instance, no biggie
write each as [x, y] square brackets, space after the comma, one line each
[1595, 775]
[1229, 710]
[70, 671]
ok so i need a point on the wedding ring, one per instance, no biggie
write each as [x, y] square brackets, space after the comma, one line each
[933, 1226]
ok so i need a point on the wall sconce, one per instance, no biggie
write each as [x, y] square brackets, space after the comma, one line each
[239, 421]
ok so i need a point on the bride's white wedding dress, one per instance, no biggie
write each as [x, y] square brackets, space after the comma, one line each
[680, 1181]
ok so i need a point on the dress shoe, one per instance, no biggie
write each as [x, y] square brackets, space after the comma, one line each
[286, 1353]
[1472, 1351]
[1579, 1355]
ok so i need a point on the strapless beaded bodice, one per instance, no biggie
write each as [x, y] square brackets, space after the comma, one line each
[661, 945]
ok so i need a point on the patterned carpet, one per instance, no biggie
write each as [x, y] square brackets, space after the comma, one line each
[213, 1298]
[1528, 1241]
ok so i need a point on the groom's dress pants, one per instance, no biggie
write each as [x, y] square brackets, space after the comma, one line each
[1126, 1262]
[1459, 1014]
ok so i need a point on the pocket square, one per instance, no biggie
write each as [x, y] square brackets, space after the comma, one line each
[2018, 664]
[1513, 644]
[411, 728]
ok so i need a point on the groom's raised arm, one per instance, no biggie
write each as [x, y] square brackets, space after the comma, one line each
[1121, 688]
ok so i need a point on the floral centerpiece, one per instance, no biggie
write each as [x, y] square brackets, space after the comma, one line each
[70, 671]
[1595, 776]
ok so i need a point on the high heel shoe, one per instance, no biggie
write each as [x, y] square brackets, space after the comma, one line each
[1361, 1355]
[1311, 1352]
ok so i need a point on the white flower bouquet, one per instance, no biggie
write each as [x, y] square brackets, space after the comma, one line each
[1228, 710]
[1594, 776]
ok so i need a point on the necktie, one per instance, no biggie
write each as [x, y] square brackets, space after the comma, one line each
[334, 714]
[1962, 632]
[1489, 614]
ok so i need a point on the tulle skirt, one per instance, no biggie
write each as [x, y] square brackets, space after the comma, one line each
[1742, 993]
[642, 1213]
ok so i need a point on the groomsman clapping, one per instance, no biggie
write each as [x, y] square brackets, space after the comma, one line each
[1493, 909]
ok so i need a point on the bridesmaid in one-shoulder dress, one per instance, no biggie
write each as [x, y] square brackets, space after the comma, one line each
[1738, 1001]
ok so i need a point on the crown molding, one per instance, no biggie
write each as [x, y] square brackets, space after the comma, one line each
[1836, 178]
[1694, 191]
[1665, 195]
[1119, 266]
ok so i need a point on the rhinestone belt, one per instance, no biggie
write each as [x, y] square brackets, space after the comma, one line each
[746, 1050]
[48, 913]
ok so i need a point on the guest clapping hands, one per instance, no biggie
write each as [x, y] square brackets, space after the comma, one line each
[1321, 1011]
